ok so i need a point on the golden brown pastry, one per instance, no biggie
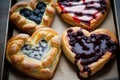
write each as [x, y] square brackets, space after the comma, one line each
[88, 14]
[37, 55]
[29, 15]
[89, 51]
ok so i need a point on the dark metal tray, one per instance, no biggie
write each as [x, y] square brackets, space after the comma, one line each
[6, 32]
[116, 10]
[4, 18]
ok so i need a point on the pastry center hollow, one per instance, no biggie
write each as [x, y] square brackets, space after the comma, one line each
[36, 51]
[90, 49]
[35, 15]
[83, 10]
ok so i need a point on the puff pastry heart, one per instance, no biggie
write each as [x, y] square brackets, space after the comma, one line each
[29, 15]
[36, 56]
[88, 14]
[89, 51]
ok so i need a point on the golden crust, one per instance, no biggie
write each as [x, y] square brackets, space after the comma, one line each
[40, 69]
[96, 66]
[94, 23]
[27, 25]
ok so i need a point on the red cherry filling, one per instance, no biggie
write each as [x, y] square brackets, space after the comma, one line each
[90, 49]
[83, 10]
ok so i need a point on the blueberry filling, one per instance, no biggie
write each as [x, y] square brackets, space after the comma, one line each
[35, 15]
[36, 51]
[90, 49]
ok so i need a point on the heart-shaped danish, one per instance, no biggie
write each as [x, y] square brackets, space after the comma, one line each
[84, 13]
[36, 56]
[89, 51]
[27, 16]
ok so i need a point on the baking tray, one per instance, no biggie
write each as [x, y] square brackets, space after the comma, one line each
[8, 73]
[116, 12]
[4, 17]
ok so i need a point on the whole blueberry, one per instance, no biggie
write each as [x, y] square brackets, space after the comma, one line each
[40, 15]
[92, 35]
[80, 33]
[38, 20]
[33, 17]
[69, 31]
[36, 11]
[25, 12]
[42, 10]
[40, 5]
[98, 36]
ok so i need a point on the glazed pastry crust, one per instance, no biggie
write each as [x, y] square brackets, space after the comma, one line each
[96, 66]
[40, 69]
[27, 25]
[94, 23]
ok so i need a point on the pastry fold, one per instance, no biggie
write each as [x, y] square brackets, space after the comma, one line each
[37, 55]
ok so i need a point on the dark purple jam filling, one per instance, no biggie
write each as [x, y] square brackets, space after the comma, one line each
[35, 15]
[90, 49]
[66, 3]
[36, 51]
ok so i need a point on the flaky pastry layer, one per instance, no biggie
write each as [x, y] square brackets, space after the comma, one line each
[94, 23]
[40, 69]
[95, 66]
[29, 26]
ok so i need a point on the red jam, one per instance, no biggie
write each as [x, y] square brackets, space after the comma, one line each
[83, 10]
